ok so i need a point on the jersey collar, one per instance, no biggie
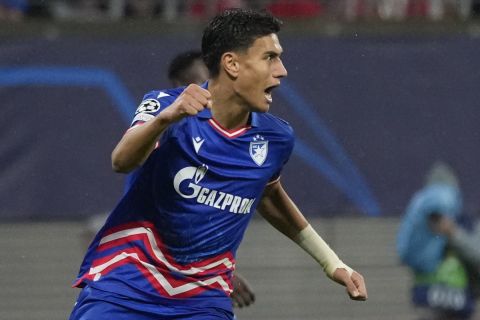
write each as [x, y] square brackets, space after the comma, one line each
[206, 114]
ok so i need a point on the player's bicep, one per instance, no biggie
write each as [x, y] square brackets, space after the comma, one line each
[280, 211]
[271, 194]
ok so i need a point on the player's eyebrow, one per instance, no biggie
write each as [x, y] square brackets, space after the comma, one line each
[272, 53]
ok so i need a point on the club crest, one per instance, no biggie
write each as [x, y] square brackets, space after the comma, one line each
[259, 150]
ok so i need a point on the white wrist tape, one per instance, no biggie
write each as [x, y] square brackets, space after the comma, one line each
[310, 241]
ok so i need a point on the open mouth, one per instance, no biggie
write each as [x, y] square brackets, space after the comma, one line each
[268, 93]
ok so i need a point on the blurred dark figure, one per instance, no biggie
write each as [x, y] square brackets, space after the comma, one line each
[185, 68]
[400, 10]
[443, 256]
[13, 10]
[142, 8]
[209, 8]
[78, 10]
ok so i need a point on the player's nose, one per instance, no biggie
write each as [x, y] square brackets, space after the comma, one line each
[280, 71]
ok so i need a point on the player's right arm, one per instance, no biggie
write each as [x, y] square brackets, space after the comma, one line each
[138, 142]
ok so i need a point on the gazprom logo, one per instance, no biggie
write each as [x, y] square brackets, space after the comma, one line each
[209, 197]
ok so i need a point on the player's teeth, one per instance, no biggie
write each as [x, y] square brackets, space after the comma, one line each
[268, 96]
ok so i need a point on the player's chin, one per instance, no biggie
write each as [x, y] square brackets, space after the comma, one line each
[265, 108]
[262, 106]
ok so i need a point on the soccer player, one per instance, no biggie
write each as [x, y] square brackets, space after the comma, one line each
[167, 250]
[186, 68]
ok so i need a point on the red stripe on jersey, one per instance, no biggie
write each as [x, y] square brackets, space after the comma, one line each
[157, 251]
[159, 267]
[226, 132]
[162, 280]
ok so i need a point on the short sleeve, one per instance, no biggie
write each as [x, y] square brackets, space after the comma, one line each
[152, 104]
[287, 151]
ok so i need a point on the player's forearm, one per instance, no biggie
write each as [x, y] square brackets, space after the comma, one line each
[137, 144]
[310, 241]
[281, 212]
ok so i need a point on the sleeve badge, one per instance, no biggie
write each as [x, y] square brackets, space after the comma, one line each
[148, 106]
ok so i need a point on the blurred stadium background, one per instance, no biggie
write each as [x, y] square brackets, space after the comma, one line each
[377, 91]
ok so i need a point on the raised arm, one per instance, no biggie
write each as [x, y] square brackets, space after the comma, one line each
[139, 141]
[280, 211]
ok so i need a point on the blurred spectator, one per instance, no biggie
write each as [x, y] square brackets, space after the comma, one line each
[13, 10]
[476, 8]
[100, 10]
[465, 242]
[392, 9]
[209, 8]
[442, 258]
[400, 10]
[78, 10]
[296, 8]
[142, 8]
[187, 67]
[172, 10]
[355, 9]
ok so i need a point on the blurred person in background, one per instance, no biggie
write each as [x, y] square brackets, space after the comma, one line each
[143, 9]
[393, 9]
[399, 10]
[209, 8]
[79, 10]
[13, 10]
[186, 68]
[298, 9]
[357, 9]
[168, 248]
[443, 257]
[464, 240]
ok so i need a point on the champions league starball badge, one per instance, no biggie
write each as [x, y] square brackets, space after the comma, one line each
[259, 149]
[149, 106]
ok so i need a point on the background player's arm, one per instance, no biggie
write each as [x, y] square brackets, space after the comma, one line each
[242, 295]
[137, 143]
[281, 212]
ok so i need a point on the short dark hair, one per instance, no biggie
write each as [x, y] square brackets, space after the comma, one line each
[181, 63]
[234, 29]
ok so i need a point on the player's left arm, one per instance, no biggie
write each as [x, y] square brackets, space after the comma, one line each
[281, 212]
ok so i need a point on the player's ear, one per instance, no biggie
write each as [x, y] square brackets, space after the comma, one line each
[230, 64]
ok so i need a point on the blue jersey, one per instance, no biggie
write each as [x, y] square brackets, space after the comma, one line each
[173, 236]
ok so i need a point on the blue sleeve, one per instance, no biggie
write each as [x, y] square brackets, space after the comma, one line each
[289, 144]
[152, 104]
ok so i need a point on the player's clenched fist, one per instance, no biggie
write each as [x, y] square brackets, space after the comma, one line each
[190, 102]
[354, 283]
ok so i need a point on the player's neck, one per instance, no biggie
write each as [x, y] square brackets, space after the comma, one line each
[228, 112]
